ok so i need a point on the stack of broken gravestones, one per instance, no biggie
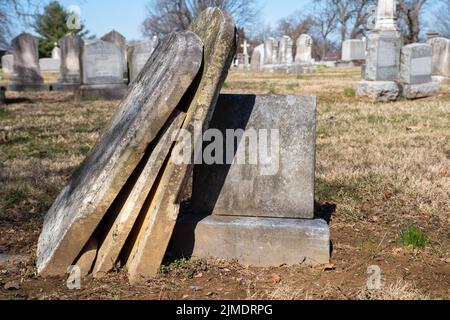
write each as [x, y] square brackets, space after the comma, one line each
[122, 204]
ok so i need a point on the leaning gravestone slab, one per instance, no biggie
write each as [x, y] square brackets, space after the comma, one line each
[218, 34]
[102, 71]
[273, 181]
[80, 207]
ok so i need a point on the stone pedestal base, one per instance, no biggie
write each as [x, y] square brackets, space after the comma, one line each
[441, 79]
[102, 92]
[382, 91]
[416, 91]
[259, 242]
[66, 86]
[20, 87]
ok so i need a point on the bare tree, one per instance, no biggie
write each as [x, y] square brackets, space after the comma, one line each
[295, 25]
[14, 13]
[165, 16]
[442, 15]
[410, 11]
[325, 22]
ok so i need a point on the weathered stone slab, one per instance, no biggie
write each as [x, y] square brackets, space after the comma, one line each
[124, 221]
[441, 56]
[8, 64]
[268, 50]
[353, 50]
[382, 91]
[260, 242]
[416, 91]
[80, 207]
[276, 182]
[218, 34]
[119, 40]
[70, 72]
[258, 58]
[416, 64]
[49, 64]
[304, 49]
[26, 71]
[139, 55]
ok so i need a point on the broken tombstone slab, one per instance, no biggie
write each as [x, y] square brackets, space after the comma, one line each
[218, 34]
[151, 100]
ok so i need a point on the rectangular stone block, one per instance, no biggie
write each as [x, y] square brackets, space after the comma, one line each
[49, 65]
[274, 182]
[102, 63]
[383, 56]
[416, 91]
[416, 64]
[8, 63]
[139, 55]
[260, 242]
[441, 56]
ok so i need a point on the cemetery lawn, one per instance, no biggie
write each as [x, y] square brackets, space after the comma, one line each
[382, 180]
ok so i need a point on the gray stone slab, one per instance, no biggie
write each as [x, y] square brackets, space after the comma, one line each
[416, 64]
[70, 72]
[282, 186]
[260, 242]
[81, 206]
[26, 62]
[441, 56]
[382, 91]
[383, 56]
[119, 40]
[102, 63]
[139, 55]
[416, 91]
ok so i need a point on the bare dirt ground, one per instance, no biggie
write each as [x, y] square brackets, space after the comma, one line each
[381, 167]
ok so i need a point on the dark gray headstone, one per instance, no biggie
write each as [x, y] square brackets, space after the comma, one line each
[282, 186]
[70, 73]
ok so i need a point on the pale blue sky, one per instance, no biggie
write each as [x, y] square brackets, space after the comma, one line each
[126, 16]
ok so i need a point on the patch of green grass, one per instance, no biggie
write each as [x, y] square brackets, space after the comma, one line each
[292, 86]
[226, 85]
[4, 113]
[415, 237]
[173, 266]
[350, 92]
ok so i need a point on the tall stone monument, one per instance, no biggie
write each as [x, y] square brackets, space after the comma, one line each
[118, 39]
[383, 56]
[304, 50]
[26, 71]
[8, 64]
[70, 69]
[258, 58]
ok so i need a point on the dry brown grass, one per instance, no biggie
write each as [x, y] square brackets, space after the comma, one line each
[382, 165]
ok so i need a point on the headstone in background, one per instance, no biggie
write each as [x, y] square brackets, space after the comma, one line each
[245, 55]
[49, 65]
[353, 50]
[441, 59]
[71, 47]
[415, 71]
[102, 71]
[304, 49]
[258, 58]
[285, 48]
[8, 64]
[259, 214]
[268, 51]
[382, 66]
[275, 52]
[56, 52]
[118, 39]
[26, 71]
[138, 56]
